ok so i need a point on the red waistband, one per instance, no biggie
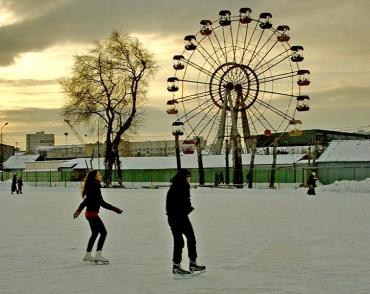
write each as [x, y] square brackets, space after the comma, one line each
[91, 214]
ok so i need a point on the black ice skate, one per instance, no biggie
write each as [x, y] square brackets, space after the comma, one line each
[179, 273]
[196, 269]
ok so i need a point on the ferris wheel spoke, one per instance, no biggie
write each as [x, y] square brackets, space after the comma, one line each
[263, 46]
[270, 67]
[264, 119]
[255, 48]
[224, 38]
[275, 78]
[193, 97]
[267, 53]
[251, 114]
[269, 61]
[197, 82]
[274, 109]
[236, 41]
[224, 53]
[197, 110]
[273, 92]
[196, 66]
[208, 60]
[202, 120]
[216, 117]
[214, 49]
[245, 49]
[198, 96]
[232, 42]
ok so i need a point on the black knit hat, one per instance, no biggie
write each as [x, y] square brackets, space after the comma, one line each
[184, 173]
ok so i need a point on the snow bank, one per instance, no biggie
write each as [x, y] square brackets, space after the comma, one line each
[348, 186]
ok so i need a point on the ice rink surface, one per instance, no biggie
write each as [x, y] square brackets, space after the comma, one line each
[252, 241]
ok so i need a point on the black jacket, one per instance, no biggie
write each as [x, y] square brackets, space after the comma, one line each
[312, 181]
[94, 200]
[178, 197]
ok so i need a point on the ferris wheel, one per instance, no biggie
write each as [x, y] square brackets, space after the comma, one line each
[236, 78]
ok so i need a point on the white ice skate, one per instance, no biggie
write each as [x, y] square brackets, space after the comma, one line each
[180, 273]
[88, 257]
[99, 259]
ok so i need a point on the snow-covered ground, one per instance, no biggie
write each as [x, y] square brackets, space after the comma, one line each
[252, 241]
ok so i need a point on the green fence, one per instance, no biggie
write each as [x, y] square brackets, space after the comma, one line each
[297, 174]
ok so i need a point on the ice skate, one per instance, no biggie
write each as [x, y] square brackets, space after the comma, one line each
[88, 257]
[196, 269]
[179, 273]
[99, 259]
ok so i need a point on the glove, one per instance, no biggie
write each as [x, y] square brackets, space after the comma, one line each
[76, 214]
[117, 210]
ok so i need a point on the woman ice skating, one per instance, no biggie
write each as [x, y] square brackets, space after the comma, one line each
[311, 182]
[92, 201]
[14, 184]
[178, 207]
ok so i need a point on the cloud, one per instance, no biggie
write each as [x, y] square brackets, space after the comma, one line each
[27, 83]
[46, 23]
[31, 115]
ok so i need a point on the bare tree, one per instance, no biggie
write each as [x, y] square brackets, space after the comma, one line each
[109, 83]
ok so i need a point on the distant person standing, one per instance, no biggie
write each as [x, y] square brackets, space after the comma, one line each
[311, 182]
[19, 186]
[222, 180]
[178, 208]
[92, 201]
[14, 184]
[217, 179]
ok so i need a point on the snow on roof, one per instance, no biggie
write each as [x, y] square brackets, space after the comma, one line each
[187, 161]
[16, 162]
[346, 151]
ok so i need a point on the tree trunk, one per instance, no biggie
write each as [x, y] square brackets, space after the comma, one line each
[108, 162]
[251, 164]
[227, 164]
[273, 168]
[200, 162]
[118, 165]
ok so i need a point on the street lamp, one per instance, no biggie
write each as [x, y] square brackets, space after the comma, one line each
[2, 147]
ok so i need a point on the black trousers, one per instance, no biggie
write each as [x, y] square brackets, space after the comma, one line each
[182, 226]
[97, 227]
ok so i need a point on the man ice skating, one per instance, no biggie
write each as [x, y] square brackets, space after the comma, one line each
[178, 207]
[92, 201]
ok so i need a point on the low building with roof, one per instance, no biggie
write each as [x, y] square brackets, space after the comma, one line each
[17, 162]
[344, 160]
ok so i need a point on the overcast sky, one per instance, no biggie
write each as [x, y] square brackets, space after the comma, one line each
[38, 39]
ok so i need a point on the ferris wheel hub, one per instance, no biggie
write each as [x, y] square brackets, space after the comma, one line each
[239, 79]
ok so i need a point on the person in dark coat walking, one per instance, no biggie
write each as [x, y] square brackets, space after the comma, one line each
[178, 207]
[19, 186]
[14, 184]
[93, 199]
[311, 182]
